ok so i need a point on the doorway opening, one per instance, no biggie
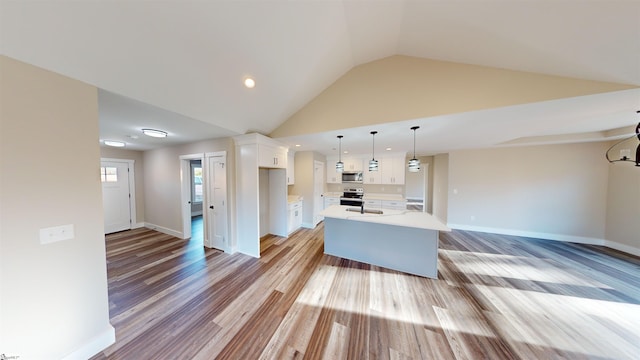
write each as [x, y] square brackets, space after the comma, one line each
[196, 198]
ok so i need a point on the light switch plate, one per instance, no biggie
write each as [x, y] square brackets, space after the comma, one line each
[56, 233]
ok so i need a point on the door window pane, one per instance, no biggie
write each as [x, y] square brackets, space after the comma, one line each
[196, 176]
[108, 174]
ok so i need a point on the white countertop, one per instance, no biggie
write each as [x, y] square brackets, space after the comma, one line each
[332, 194]
[293, 198]
[414, 219]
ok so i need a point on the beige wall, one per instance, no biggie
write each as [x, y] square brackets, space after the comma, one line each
[401, 88]
[137, 156]
[53, 297]
[304, 171]
[553, 192]
[440, 186]
[623, 207]
[162, 191]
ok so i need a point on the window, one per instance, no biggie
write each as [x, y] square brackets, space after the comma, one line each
[196, 182]
[108, 174]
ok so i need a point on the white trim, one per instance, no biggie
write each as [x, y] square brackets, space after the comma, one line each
[164, 230]
[308, 225]
[132, 186]
[95, 345]
[531, 234]
[185, 192]
[623, 247]
[137, 225]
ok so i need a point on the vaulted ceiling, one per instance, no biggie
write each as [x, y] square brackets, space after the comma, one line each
[184, 61]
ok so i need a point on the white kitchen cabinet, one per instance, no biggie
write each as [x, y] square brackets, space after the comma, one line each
[270, 156]
[392, 170]
[371, 177]
[261, 185]
[291, 168]
[333, 177]
[373, 204]
[394, 204]
[352, 163]
[331, 200]
[295, 216]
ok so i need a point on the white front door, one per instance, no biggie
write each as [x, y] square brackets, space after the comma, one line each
[217, 201]
[318, 189]
[115, 196]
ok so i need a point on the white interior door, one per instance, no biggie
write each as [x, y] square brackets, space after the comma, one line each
[115, 196]
[318, 189]
[217, 200]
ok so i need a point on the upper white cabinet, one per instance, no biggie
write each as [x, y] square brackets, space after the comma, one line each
[291, 168]
[272, 156]
[333, 177]
[352, 163]
[371, 177]
[391, 169]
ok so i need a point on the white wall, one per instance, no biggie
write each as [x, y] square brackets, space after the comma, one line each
[53, 297]
[553, 192]
[623, 208]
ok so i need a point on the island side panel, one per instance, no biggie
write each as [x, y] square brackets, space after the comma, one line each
[405, 249]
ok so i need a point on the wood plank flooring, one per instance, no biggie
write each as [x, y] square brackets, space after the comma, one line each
[496, 297]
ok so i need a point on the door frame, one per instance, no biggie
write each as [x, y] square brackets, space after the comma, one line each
[132, 188]
[185, 192]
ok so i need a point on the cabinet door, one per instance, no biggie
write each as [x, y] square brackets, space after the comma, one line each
[393, 204]
[371, 177]
[271, 157]
[392, 170]
[333, 177]
[290, 168]
[372, 204]
[352, 163]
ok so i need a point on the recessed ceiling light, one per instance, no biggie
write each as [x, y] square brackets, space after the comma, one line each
[249, 82]
[346, 151]
[388, 149]
[114, 143]
[154, 133]
[298, 145]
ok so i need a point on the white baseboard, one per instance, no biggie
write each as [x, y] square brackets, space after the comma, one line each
[623, 247]
[95, 345]
[531, 234]
[308, 225]
[164, 230]
[137, 226]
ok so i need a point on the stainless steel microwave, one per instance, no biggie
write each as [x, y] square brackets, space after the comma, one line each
[352, 177]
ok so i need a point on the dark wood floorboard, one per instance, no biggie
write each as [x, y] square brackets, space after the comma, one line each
[496, 297]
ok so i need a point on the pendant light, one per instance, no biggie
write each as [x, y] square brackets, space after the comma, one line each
[373, 163]
[339, 164]
[625, 147]
[414, 164]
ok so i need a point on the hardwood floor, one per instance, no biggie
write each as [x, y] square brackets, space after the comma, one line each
[497, 297]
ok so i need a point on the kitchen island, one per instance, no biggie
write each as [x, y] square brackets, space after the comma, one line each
[400, 240]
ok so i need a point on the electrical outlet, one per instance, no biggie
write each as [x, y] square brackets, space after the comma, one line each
[56, 233]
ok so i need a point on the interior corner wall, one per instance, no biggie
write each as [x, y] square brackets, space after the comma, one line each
[556, 192]
[440, 186]
[162, 191]
[623, 207]
[53, 298]
[137, 156]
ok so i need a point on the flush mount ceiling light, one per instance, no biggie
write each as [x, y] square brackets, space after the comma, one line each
[414, 164]
[249, 82]
[339, 164]
[154, 133]
[114, 143]
[624, 147]
[373, 163]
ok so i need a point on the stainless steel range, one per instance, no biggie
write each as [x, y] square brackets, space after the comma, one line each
[352, 197]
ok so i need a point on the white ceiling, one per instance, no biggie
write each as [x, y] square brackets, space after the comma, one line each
[183, 61]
